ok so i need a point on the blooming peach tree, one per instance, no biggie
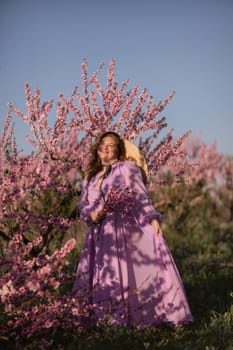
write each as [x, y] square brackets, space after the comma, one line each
[39, 192]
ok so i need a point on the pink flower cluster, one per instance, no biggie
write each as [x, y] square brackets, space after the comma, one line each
[122, 199]
[29, 289]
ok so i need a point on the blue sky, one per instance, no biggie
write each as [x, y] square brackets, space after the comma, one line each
[163, 45]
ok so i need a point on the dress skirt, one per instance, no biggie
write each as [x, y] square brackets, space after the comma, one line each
[126, 272]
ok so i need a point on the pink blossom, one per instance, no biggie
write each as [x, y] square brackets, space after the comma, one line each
[7, 290]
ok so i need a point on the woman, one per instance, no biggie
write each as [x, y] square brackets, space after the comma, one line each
[126, 271]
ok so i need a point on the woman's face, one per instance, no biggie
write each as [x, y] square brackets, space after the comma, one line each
[108, 150]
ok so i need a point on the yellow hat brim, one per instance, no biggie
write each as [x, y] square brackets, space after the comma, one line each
[133, 153]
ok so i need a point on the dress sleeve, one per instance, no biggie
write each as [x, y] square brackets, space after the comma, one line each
[143, 205]
[84, 206]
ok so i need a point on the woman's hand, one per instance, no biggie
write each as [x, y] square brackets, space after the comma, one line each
[96, 216]
[156, 227]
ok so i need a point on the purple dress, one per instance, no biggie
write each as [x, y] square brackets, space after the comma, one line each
[126, 272]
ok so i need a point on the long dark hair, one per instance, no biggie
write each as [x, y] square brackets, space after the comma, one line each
[95, 165]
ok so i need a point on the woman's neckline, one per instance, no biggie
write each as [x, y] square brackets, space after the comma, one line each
[110, 165]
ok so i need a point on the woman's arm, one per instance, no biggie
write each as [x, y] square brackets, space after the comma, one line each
[143, 204]
[85, 208]
[90, 212]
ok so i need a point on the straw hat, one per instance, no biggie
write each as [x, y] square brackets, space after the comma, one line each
[133, 153]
